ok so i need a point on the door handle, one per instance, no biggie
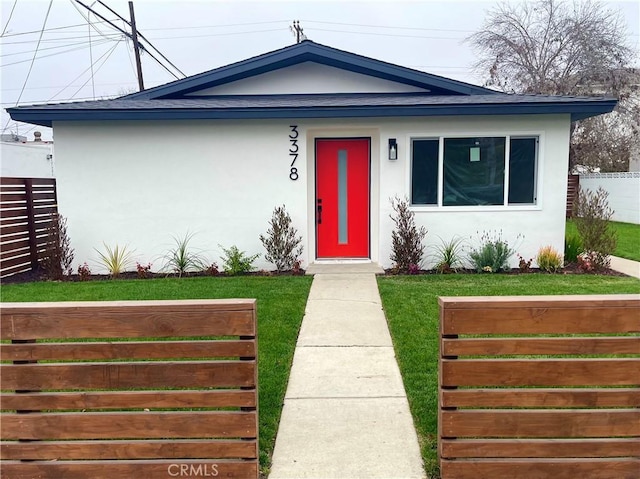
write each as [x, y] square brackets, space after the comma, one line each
[319, 211]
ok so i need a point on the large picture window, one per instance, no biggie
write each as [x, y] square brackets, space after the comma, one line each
[475, 171]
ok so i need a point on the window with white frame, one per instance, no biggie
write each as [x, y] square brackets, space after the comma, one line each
[474, 171]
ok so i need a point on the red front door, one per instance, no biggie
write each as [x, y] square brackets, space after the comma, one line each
[342, 198]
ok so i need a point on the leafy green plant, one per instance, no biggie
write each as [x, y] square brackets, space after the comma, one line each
[116, 260]
[449, 255]
[182, 259]
[592, 215]
[236, 262]
[549, 259]
[572, 248]
[492, 256]
[407, 249]
[281, 241]
[58, 256]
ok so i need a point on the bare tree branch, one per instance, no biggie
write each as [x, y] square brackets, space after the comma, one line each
[554, 47]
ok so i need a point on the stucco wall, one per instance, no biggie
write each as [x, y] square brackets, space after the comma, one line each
[141, 183]
[308, 77]
[26, 160]
[624, 193]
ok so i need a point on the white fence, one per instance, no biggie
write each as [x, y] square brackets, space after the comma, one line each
[624, 193]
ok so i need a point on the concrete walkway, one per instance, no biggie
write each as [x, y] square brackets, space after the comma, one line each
[345, 413]
[626, 266]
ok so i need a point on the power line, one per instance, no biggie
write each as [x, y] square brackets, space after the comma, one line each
[141, 36]
[36, 52]
[390, 27]
[110, 52]
[33, 59]
[4, 30]
[48, 30]
[385, 34]
[97, 42]
[53, 48]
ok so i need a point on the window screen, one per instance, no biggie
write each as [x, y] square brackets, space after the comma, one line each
[473, 171]
[424, 172]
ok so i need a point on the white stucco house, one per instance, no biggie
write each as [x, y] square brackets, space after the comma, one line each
[331, 135]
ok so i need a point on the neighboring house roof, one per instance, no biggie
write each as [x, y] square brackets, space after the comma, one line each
[441, 96]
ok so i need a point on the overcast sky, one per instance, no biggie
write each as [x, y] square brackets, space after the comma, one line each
[201, 35]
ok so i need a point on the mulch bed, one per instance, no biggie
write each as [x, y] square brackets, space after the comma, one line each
[33, 276]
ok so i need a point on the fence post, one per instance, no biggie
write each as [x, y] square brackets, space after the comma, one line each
[31, 223]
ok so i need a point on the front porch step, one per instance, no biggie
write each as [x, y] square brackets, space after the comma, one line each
[344, 268]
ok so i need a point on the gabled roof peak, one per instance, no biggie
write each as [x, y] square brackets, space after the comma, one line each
[309, 51]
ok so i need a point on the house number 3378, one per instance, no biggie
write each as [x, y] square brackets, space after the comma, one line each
[293, 151]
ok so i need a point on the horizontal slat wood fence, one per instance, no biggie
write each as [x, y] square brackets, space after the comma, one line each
[27, 206]
[148, 389]
[509, 410]
[573, 185]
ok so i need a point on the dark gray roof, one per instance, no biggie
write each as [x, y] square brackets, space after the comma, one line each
[312, 106]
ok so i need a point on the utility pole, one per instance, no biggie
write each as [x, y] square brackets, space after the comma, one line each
[136, 46]
[297, 30]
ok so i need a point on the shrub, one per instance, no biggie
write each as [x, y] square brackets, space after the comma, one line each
[406, 239]
[524, 265]
[492, 256]
[143, 271]
[212, 270]
[56, 263]
[282, 245]
[549, 259]
[237, 262]
[572, 248]
[115, 260]
[591, 215]
[449, 255]
[181, 259]
[586, 261]
[297, 270]
[84, 273]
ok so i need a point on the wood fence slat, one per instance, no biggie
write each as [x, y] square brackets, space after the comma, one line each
[626, 468]
[15, 269]
[123, 375]
[130, 425]
[14, 212]
[17, 232]
[230, 469]
[112, 320]
[14, 246]
[516, 423]
[506, 448]
[541, 397]
[541, 372]
[6, 263]
[522, 346]
[10, 197]
[129, 350]
[218, 398]
[135, 449]
[542, 321]
[534, 303]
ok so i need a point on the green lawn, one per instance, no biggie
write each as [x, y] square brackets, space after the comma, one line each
[628, 239]
[411, 307]
[281, 302]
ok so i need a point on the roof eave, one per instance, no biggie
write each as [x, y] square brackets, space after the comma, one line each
[46, 117]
